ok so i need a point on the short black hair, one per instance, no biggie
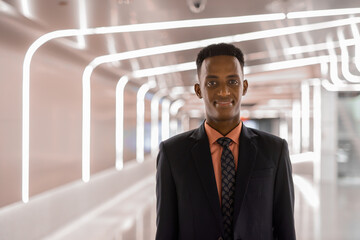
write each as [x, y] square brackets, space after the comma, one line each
[217, 50]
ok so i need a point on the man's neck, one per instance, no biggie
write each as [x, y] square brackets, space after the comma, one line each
[223, 127]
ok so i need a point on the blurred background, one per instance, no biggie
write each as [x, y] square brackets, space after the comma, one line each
[89, 88]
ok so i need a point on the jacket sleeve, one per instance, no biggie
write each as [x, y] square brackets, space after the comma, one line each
[166, 199]
[283, 212]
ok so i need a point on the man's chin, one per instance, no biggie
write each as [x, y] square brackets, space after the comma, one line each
[226, 118]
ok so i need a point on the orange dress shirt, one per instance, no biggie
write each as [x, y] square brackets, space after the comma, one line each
[216, 150]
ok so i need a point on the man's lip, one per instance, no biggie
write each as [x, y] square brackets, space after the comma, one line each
[224, 102]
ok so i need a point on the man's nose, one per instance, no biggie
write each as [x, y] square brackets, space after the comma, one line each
[224, 91]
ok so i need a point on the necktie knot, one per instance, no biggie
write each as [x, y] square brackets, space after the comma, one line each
[224, 141]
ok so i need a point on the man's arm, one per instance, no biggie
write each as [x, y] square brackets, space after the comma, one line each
[166, 199]
[283, 214]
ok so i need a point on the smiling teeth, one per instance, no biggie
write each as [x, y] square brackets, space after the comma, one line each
[224, 103]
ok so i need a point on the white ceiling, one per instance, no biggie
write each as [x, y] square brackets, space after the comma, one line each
[266, 82]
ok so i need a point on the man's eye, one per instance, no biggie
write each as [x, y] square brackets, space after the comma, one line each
[233, 82]
[211, 83]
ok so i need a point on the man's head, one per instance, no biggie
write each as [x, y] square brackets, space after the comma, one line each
[217, 50]
[221, 82]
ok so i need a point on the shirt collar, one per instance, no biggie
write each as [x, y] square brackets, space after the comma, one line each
[214, 135]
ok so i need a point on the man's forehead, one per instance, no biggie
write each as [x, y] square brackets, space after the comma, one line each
[221, 63]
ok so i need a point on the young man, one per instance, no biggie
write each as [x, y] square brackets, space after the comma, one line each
[224, 180]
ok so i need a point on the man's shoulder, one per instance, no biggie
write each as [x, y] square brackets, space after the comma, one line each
[179, 139]
[265, 137]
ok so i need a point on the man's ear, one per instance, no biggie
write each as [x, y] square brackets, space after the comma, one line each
[197, 90]
[245, 87]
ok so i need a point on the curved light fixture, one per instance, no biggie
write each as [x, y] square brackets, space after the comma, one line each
[174, 108]
[336, 83]
[333, 69]
[140, 115]
[155, 120]
[165, 119]
[119, 126]
[340, 88]
[155, 114]
[296, 121]
[356, 34]
[345, 61]
[317, 119]
[305, 115]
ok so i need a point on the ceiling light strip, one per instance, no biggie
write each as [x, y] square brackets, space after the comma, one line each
[323, 13]
[189, 23]
[82, 22]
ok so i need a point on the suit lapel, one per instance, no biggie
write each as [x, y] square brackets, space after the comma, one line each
[246, 163]
[202, 157]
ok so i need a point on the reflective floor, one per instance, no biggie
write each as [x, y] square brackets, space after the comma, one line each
[322, 212]
[327, 211]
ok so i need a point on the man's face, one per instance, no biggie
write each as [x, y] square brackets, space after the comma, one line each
[221, 85]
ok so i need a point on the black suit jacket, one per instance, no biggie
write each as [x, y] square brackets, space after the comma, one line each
[187, 198]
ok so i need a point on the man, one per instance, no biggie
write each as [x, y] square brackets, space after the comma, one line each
[224, 180]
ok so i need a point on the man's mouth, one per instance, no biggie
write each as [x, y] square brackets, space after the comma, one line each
[224, 103]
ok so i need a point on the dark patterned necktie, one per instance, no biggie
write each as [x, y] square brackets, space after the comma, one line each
[227, 187]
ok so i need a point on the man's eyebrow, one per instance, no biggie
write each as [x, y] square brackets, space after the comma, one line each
[211, 76]
[233, 76]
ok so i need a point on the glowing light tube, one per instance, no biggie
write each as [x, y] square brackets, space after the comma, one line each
[155, 114]
[174, 108]
[165, 119]
[26, 103]
[333, 63]
[296, 137]
[337, 83]
[356, 34]
[155, 120]
[83, 23]
[323, 13]
[340, 88]
[140, 115]
[345, 65]
[86, 123]
[317, 128]
[190, 23]
[119, 138]
[26, 8]
[164, 69]
[284, 130]
[305, 115]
